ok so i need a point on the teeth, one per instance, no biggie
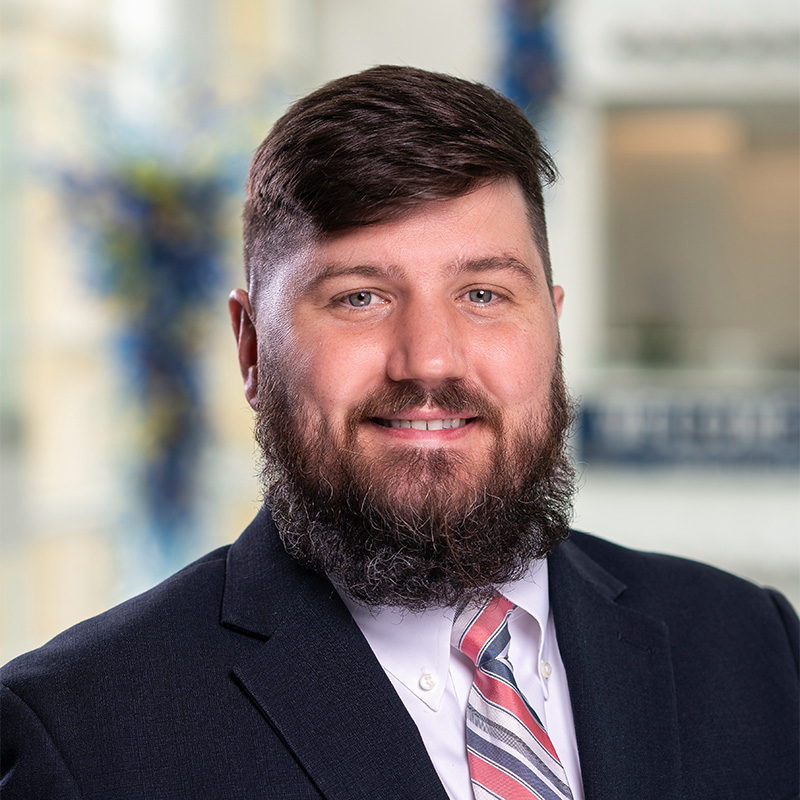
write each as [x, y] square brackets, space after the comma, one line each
[427, 424]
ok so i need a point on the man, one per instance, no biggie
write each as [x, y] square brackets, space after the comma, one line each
[407, 617]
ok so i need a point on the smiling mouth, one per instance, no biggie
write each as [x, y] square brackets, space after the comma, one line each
[424, 424]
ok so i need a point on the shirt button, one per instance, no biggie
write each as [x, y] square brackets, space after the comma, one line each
[427, 681]
[547, 670]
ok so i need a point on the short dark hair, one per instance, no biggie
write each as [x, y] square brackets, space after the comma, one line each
[371, 147]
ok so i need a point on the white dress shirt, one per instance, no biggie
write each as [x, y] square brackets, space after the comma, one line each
[434, 679]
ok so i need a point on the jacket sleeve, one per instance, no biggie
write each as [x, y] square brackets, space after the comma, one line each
[30, 763]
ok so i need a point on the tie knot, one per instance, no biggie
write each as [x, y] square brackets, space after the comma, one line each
[480, 631]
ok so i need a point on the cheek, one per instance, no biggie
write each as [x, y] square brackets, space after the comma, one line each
[332, 374]
[517, 368]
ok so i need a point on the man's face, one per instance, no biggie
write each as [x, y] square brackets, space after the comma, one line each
[455, 292]
[410, 366]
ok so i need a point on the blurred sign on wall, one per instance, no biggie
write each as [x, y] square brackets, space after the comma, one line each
[625, 47]
[668, 427]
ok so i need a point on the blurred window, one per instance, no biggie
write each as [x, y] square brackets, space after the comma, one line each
[703, 237]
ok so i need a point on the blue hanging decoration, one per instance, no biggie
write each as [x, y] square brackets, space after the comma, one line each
[157, 241]
[530, 70]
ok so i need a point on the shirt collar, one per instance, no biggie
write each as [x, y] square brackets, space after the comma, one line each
[531, 593]
[414, 647]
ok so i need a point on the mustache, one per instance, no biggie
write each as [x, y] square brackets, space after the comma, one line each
[453, 396]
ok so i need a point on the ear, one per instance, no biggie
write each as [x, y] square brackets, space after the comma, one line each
[244, 330]
[558, 299]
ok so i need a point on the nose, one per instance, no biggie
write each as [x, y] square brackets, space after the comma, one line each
[427, 346]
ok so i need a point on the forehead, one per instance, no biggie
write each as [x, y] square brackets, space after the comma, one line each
[486, 229]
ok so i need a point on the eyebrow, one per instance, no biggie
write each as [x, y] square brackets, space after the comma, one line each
[495, 263]
[331, 271]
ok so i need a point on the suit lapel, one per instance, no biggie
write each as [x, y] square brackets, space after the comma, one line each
[620, 680]
[316, 680]
[318, 684]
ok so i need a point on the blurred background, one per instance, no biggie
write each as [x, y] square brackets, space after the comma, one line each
[126, 130]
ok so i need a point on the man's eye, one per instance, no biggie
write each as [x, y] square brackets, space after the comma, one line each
[481, 295]
[359, 299]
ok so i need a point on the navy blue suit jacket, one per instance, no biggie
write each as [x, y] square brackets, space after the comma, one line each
[244, 676]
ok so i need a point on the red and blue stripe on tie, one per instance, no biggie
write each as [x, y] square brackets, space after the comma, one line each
[510, 754]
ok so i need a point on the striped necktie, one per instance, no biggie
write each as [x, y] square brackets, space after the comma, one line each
[510, 754]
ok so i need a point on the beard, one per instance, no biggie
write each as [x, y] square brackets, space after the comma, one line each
[415, 527]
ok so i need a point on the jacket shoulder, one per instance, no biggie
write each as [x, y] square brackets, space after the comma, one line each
[634, 567]
[182, 602]
[690, 595]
